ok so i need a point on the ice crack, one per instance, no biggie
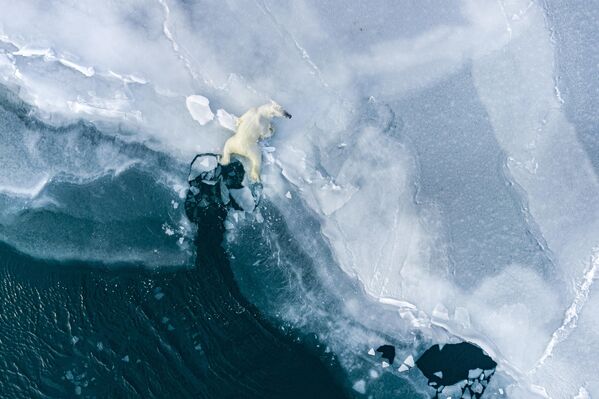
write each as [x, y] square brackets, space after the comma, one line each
[284, 32]
[571, 315]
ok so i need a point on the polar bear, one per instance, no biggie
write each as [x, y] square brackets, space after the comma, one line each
[252, 126]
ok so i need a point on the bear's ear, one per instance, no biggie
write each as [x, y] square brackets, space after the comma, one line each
[274, 103]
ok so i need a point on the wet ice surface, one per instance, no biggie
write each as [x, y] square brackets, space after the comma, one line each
[438, 181]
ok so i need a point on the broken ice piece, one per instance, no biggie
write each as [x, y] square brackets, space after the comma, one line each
[199, 108]
[385, 364]
[403, 368]
[472, 374]
[409, 361]
[360, 386]
[371, 352]
[439, 374]
[288, 195]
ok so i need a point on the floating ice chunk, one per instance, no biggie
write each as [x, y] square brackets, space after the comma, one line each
[229, 225]
[452, 391]
[125, 358]
[159, 295]
[288, 195]
[439, 374]
[373, 374]
[244, 198]
[501, 393]
[69, 375]
[385, 364]
[100, 346]
[226, 120]
[77, 390]
[409, 361]
[473, 374]
[74, 340]
[403, 368]
[371, 352]
[440, 312]
[199, 108]
[168, 230]
[360, 386]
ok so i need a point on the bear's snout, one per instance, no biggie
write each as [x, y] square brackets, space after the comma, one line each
[286, 114]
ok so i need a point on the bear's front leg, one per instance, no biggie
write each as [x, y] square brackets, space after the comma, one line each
[254, 155]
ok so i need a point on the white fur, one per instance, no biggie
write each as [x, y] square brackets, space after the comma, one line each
[252, 126]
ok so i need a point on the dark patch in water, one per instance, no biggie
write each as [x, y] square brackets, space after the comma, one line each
[388, 352]
[451, 365]
[70, 329]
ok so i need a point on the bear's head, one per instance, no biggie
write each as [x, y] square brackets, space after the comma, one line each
[276, 110]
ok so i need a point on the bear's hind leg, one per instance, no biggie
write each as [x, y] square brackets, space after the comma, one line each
[254, 155]
[226, 158]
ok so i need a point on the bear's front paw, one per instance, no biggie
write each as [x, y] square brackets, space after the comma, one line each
[255, 176]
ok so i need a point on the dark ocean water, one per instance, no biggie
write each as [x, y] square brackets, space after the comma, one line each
[76, 330]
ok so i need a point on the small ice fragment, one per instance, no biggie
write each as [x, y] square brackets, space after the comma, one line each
[75, 339]
[269, 149]
[439, 374]
[500, 391]
[342, 145]
[373, 374]
[125, 359]
[472, 374]
[159, 295]
[489, 372]
[198, 347]
[229, 225]
[180, 240]
[199, 109]
[360, 386]
[100, 346]
[170, 328]
[288, 195]
[164, 320]
[226, 120]
[385, 364]
[69, 375]
[77, 390]
[409, 361]
[403, 368]
[477, 387]
[371, 352]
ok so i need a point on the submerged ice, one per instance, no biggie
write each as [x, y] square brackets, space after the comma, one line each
[437, 182]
